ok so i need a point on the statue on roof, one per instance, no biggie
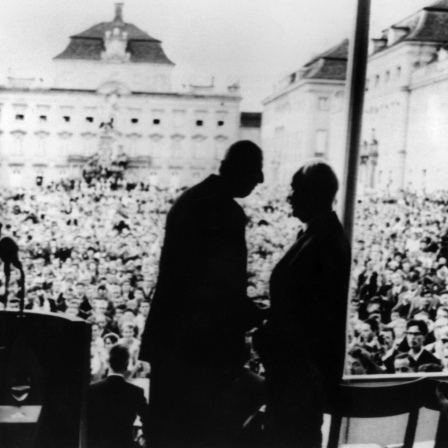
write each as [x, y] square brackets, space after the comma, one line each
[115, 42]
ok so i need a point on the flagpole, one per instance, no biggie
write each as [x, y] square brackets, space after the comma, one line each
[355, 87]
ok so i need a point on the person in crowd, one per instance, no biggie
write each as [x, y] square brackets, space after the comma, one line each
[436, 347]
[113, 405]
[117, 320]
[368, 282]
[400, 341]
[97, 353]
[72, 307]
[148, 289]
[102, 292]
[407, 299]
[308, 288]
[430, 368]
[97, 341]
[110, 340]
[128, 317]
[398, 288]
[384, 283]
[140, 319]
[444, 353]
[425, 302]
[386, 356]
[416, 330]
[375, 310]
[67, 297]
[360, 362]
[194, 337]
[116, 295]
[101, 307]
[442, 311]
[86, 302]
[404, 363]
[368, 337]
[129, 340]
[443, 298]
[102, 321]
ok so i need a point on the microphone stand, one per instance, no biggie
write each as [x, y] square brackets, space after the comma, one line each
[7, 272]
[22, 289]
[9, 254]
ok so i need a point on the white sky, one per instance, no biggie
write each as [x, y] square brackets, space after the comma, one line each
[254, 42]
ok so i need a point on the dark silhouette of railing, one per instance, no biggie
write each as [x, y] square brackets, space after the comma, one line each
[377, 401]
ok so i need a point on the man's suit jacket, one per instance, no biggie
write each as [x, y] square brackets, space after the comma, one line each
[387, 364]
[112, 407]
[406, 301]
[431, 310]
[309, 298]
[426, 358]
[392, 295]
[200, 310]
[388, 300]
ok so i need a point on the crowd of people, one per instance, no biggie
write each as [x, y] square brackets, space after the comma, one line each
[399, 296]
[91, 249]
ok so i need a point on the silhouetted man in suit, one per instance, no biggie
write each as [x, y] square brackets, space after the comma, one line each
[195, 332]
[392, 295]
[308, 290]
[113, 405]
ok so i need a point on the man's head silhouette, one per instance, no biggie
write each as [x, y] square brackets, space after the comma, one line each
[242, 168]
[314, 187]
[119, 358]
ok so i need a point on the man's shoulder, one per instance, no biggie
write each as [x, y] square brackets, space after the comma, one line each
[134, 388]
[131, 389]
[330, 239]
[97, 388]
[210, 186]
[207, 198]
[187, 200]
[427, 357]
[391, 356]
[327, 229]
[109, 381]
[113, 382]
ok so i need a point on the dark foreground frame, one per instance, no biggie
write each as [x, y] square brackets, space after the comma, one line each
[55, 352]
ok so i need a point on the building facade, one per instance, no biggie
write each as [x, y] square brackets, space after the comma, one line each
[112, 99]
[297, 116]
[405, 110]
